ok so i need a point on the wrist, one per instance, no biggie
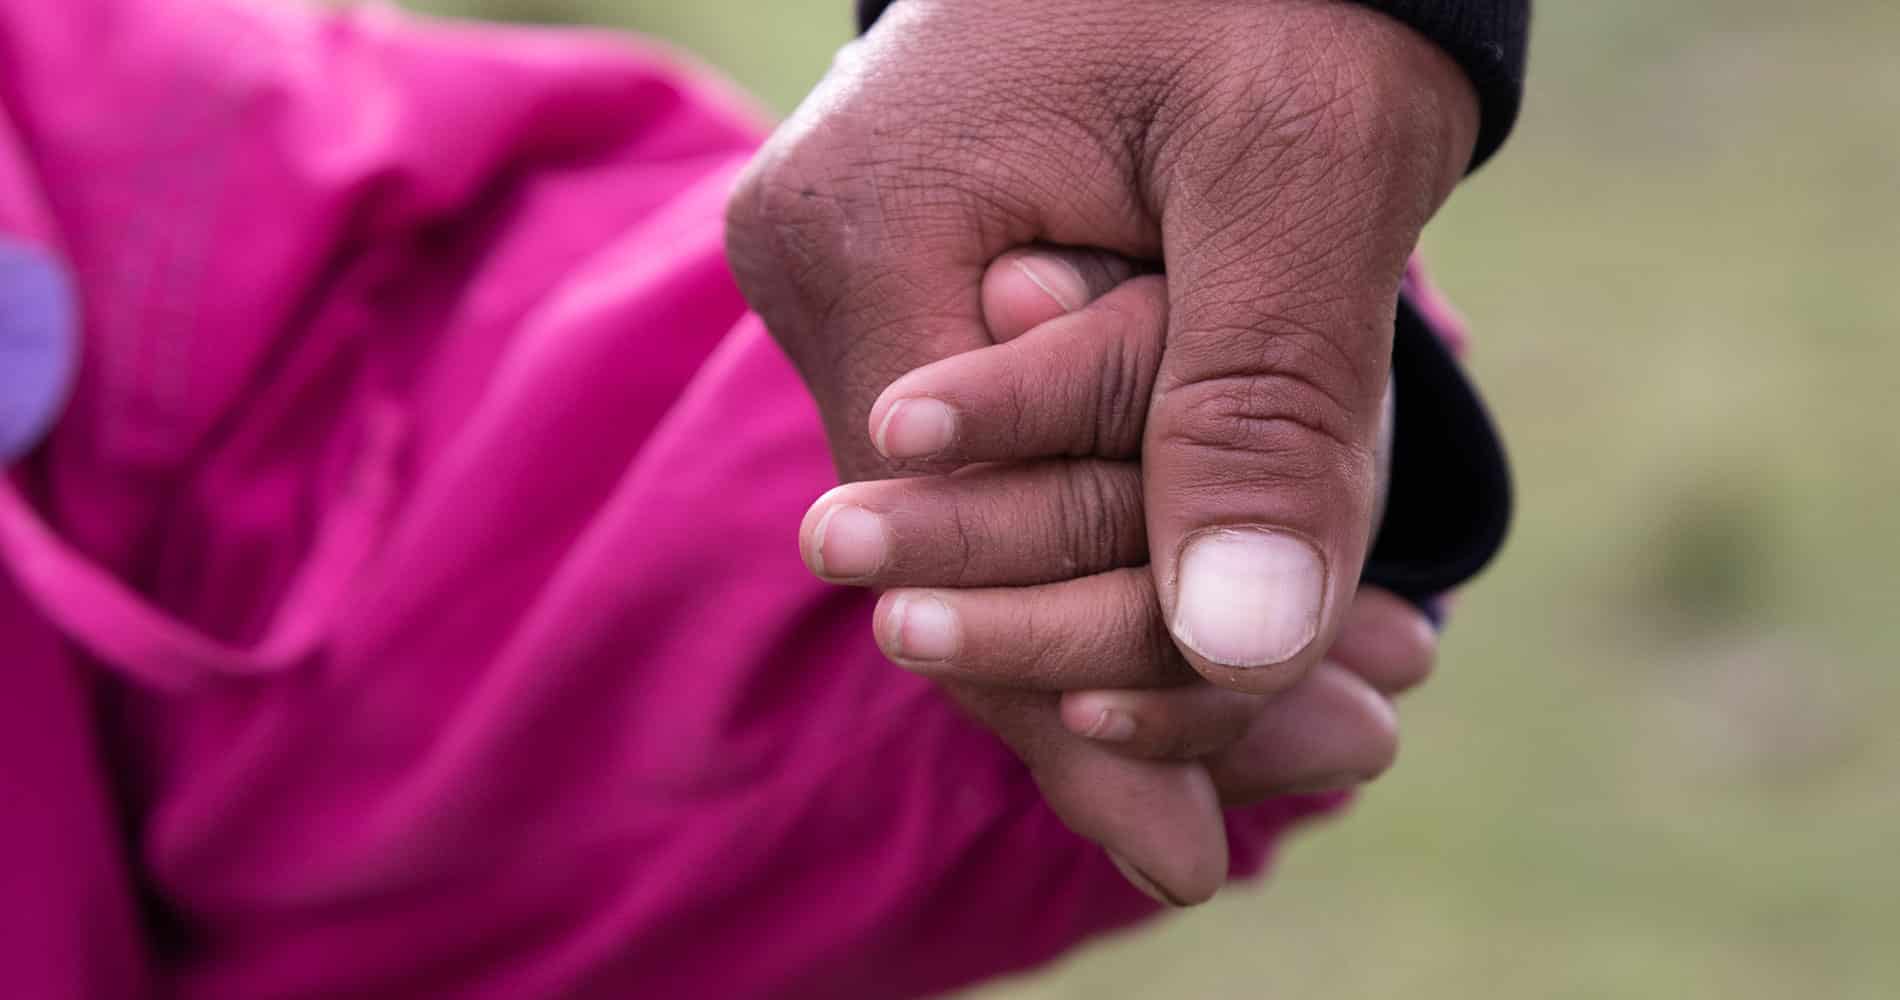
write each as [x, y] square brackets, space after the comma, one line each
[1420, 86]
[1485, 39]
[1332, 87]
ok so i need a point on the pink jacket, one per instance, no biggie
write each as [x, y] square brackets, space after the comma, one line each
[407, 603]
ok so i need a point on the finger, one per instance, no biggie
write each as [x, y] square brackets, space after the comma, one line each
[1329, 731]
[1160, 821]
[1026, 288]
[1386, 641]
[1097, 632]
[1077, 385]
[1180, 723]
[993, 525]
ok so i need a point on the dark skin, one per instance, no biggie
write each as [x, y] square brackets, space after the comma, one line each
[1034, 560]
[1278, 158]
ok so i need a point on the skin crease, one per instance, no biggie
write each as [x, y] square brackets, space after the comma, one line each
[1278, 157]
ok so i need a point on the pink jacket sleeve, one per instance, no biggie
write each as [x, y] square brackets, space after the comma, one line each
[408, 597]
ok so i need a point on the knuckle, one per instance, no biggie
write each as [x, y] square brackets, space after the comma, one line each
[1286, 428]
[961, 550]
[1115, 400]
[935, 529]
[1099, 513]
[1324, 349]
[786, 237]
[1124, 384]
[1013, 416]
[786, 205]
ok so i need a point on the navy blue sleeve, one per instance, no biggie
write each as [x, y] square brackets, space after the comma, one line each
[1448, 505]
[1489, 38]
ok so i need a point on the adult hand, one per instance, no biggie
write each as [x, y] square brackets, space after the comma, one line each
[1278, 157]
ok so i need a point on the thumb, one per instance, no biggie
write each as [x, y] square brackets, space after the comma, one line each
[1261, 458]
[1261, 450]
[1286, 225]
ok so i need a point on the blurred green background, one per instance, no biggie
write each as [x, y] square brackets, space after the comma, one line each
[1659, 759]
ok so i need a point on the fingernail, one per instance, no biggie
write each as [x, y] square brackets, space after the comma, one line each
[1248, 597]
[923, 629]
[1103, 723]
[849, 543]
[916, 428]
[1137, 878]
[1112, 727]
[1057, 278]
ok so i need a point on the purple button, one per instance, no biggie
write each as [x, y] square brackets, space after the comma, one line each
[39, 345]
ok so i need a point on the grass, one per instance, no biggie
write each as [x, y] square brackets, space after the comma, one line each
[1659, 760]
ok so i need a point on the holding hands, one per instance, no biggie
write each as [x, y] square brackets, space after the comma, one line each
[1150, 637]
[1018, 576]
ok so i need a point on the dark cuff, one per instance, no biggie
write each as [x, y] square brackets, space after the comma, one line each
[1489, 38]
[1449, 502]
